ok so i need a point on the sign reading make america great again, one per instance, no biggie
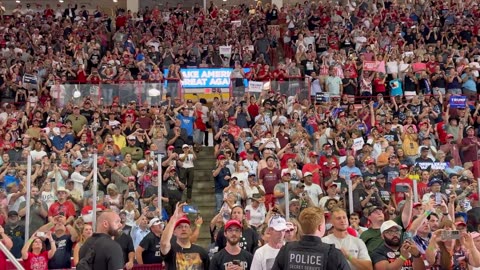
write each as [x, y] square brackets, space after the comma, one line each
[205, 77]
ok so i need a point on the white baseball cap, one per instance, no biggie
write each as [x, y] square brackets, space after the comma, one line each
[388, 225]
[154, 221]
[278, 223]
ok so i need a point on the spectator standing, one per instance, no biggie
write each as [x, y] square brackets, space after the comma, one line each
[7, 242]
[108, 253]
[34, 253]
[181, 251]
[312, 221]
[269, 177]
[187, 169]
[232, 255]
[221, 176]
[405, 254]
[264, 257]
[148, 251]
[352, 247]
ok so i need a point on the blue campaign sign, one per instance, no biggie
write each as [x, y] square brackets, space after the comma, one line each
[206, 77]
[458, 102]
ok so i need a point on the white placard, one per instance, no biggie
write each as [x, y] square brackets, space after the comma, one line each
[237, 23]
[225, 50]
[358, 143]
[392, 67]
[256, 87]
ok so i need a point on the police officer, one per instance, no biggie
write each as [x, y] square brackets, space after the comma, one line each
[310, 252]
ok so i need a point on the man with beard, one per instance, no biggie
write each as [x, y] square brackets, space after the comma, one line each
[232, 256]
[148, 252]
[365, 193]
[108, 253]
[265, 256]
[181, 253]
[126, 243]
[15, 229]
[352, 247]
[393, 254]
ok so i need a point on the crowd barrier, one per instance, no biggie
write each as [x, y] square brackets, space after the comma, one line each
[153, 93]
[10, 266]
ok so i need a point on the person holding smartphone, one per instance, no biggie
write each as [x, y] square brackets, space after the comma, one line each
[232, 257]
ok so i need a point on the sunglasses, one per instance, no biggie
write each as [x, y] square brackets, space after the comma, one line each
[288, 231]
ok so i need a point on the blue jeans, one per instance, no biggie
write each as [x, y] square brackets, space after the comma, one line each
[218, 202]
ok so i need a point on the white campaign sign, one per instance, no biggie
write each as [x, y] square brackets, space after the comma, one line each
[358, 143]
[225, 50]
[255, 86]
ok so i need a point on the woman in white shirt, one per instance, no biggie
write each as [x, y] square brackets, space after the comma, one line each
[255, 212]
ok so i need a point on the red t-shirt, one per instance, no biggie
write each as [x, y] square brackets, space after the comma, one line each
[67, 208]
[199, 124]
[3, 261]
[422, 189]
[253, 110]
[400, 196]
[310, 167]
[36, 262]
[285, 158]
[270, 178]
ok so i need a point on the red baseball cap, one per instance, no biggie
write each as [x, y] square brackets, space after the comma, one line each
[220, 157]
[403, 166]
[370, 161]
[353, 175]
[171, 147]
[101, 160]
[312, 154]
[181, 221]
[233, 222]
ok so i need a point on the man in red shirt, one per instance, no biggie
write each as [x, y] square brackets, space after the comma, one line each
[397, 183]
[313, 167]
[62, 206]
[285, 154]
[269, 177]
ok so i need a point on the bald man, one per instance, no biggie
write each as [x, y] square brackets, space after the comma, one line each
[107, 253]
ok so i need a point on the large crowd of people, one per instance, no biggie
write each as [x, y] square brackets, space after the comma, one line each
[377, 155]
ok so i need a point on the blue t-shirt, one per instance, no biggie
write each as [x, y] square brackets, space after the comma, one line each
[9, 179]
[220, 182]
[187, 123]
[396, 86]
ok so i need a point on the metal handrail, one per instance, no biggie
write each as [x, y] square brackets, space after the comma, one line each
[10, 256]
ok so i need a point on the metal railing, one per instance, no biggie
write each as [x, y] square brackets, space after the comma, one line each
[13, 263]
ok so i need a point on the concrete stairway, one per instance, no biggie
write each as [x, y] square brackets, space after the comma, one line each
[203, 195]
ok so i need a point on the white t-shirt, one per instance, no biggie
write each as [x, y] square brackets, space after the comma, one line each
[48, 197]
[251, 166]
[78, 180]
[188, 162]
[264, 258]
[37, 155]
[16, 205]
[250, 190]
[257, 216]
[314, 191]
[355, 246]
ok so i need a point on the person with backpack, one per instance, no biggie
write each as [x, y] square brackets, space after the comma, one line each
[100, 251]
[310, 251]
